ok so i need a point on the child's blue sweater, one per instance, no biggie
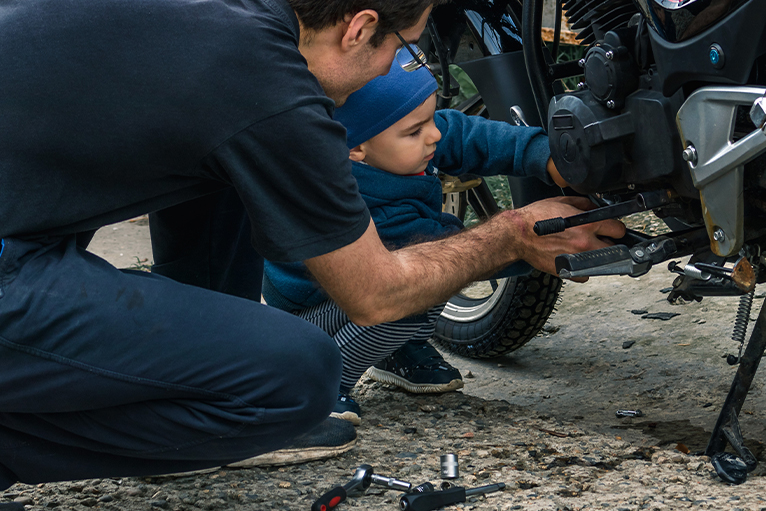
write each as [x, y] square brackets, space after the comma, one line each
[407, 209]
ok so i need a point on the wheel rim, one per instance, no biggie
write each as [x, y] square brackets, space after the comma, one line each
[465, 308]
[478, 299]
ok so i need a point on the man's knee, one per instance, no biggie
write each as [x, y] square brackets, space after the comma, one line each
[316, 371]
[303, 368]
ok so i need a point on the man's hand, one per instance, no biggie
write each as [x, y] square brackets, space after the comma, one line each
[541, 251]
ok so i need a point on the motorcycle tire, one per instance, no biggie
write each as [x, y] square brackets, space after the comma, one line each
[494, 317]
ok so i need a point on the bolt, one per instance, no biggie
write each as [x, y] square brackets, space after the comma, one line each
[639, 252]
[581, 86]
[758, 112]
[610, 104]
[719, 235]
[652, 247]
[716, 55]
[690, 155]
[609, 54]
[631, 187]
[581, 62]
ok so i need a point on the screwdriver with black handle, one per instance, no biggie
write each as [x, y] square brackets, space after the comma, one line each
[429, 500]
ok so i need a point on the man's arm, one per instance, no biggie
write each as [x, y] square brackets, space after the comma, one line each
[373, 285]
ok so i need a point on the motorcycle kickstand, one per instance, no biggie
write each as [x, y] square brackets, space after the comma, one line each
[727, 426]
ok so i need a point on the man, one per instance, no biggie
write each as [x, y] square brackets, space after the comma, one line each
[207, 113]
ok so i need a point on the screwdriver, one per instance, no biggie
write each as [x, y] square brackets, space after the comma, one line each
[429, 500]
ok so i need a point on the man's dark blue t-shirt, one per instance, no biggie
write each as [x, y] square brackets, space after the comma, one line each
[114, 108]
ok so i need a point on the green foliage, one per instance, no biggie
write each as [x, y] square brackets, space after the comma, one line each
[500, 190]
[141, 265]
[467, 88]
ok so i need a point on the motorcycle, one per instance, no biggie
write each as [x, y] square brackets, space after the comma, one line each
[665, 112]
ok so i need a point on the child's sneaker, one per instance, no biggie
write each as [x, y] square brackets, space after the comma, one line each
[347, 409]
[418, 368]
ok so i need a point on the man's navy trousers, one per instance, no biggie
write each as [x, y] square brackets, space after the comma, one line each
[109, 373]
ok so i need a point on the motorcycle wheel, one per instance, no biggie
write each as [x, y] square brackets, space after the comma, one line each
[493, 317]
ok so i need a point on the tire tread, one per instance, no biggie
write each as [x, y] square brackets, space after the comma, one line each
[516, 319]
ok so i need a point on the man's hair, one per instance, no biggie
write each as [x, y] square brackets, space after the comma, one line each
[394, 15]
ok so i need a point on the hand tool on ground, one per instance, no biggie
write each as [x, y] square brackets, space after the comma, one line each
[363, 477]
[428, 500]
[628, 413]
[428, 486]
[449, 466]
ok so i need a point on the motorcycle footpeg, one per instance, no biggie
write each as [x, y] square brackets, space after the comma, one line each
[614, 260]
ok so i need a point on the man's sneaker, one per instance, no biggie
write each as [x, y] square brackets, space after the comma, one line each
[347, 409]
[418, 368]
[329, 439]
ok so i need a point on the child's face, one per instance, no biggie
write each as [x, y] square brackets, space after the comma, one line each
[407, 146]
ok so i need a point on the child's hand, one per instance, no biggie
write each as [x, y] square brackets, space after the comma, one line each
[554, 172]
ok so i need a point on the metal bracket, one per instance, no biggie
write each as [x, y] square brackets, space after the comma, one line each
[706, 275]
[706, 123]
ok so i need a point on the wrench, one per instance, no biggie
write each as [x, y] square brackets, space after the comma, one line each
[361, 480]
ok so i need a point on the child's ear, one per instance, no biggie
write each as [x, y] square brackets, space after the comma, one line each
[357, 153]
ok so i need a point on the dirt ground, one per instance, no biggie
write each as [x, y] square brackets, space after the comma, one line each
[542, 419]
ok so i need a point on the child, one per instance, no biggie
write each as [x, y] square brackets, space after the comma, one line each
[397, 141]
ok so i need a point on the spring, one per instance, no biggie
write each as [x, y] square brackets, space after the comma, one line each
[743, 313]
[743, 317]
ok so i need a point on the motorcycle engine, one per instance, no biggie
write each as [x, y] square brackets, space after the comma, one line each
[618, 130]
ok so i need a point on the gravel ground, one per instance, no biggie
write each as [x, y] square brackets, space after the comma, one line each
[541, 420]
[545, 464]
